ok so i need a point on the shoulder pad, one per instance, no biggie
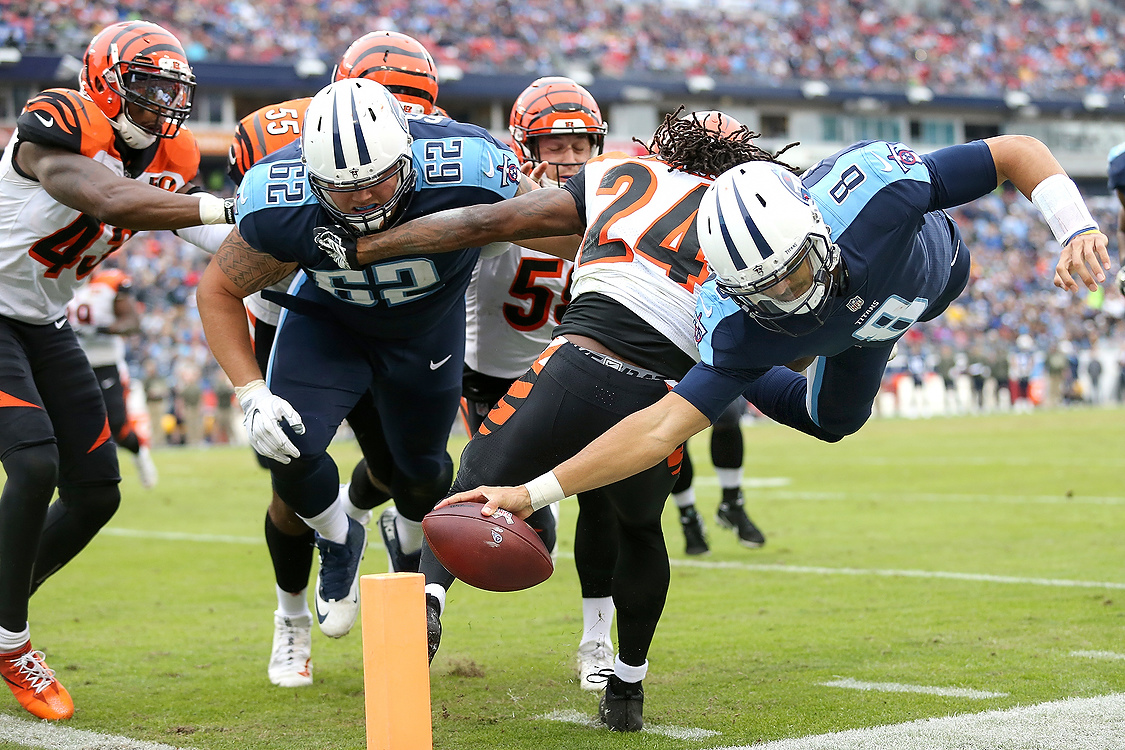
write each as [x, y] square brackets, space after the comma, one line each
[65, 119]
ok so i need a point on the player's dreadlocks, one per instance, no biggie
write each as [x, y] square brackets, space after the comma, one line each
[689, 145]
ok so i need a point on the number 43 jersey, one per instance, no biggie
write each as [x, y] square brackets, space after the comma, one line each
[48, 249]
[457, 164]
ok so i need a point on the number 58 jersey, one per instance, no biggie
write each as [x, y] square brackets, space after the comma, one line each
[47, 249]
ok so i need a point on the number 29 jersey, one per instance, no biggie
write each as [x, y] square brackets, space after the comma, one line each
[457, 165]
[47, 249]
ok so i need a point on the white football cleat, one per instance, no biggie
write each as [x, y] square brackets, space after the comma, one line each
[592, 658]
[146, 468]
[337, 581]
[291, 659]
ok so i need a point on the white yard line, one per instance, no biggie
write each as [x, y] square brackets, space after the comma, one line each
[934, 497]
[1070, 724]
[705, 564]
[898, 687]
[1098, 655]
[678, 733]
[48, 736]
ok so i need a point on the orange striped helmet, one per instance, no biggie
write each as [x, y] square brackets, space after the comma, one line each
[397, 61]
[554, 105]
[144, 65]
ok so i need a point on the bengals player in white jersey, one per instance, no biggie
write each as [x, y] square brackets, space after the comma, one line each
[83, 171]
[627, 333]
[102, 313]
[404, 66]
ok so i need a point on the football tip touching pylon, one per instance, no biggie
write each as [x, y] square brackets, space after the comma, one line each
[396, 666]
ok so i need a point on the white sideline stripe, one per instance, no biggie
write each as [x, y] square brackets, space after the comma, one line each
[571, 716]
[707, 564]
[978, 577]
[1070, 724]
[754, 483]
[898, 687]
[952, 498]
[1097, 654]
[47, 736]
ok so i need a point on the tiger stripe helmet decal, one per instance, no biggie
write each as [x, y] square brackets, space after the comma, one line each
[550, 106]
[397, 61]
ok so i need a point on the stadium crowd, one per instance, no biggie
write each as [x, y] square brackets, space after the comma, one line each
[974, 47]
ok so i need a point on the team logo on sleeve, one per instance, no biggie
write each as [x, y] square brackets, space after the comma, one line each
[902, 156]
[700, 331]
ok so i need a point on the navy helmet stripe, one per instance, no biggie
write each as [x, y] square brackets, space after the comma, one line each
[764, 248]
[360, 141]
[337, 145]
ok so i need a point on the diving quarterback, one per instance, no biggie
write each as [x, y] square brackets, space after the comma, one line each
[84, 170]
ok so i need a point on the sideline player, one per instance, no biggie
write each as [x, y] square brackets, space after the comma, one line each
[84, 170]
[102, 313]
[628, 330]
[1117, 185]
[405, 67]
[361, 166]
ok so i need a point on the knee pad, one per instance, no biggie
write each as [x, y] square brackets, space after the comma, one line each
[362, 492]
[33, 469]
[95, 504]
[414, 499]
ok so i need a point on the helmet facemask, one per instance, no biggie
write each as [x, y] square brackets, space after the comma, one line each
[375, 218]
[144, 87]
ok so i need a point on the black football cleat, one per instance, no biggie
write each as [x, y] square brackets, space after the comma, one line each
[695, 538]
[622, 706]
[732, 515]
[433, 625]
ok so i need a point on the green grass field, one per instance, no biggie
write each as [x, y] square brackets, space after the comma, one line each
[953, 553]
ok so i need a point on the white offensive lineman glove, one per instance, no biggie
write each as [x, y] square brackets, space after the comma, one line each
[263, 414]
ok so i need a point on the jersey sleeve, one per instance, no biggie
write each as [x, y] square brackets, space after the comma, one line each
[1117, 167]
[960, 174]
[576, 186]
[60, 118]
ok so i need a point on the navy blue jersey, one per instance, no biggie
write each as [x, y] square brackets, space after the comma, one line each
[883, 204]
[1117, 167]
[457, 165]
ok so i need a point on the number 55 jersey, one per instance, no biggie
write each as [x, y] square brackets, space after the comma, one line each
[47, 249]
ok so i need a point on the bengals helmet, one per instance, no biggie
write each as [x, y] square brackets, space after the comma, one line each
[143, 65]
[397, 61]
[554, 105]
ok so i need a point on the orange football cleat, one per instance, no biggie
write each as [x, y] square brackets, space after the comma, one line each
[34, 684]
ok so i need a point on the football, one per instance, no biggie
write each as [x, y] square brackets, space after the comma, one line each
[495, 553]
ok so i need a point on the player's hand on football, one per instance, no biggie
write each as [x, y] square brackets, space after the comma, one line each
[1087, 256]
[512, 499]
[263, 414]
[338, 245]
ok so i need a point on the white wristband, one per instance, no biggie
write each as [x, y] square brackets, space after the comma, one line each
[1058, 199]
[544, 490]
[212, 209]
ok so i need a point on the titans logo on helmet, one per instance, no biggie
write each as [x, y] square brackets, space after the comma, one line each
[793, 184]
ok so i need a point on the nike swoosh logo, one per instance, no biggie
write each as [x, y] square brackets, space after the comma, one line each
[491, 171]
[60, 322]
[320, 616]
[108, 383]
[707, 309]
[47, 121]
[439, 363]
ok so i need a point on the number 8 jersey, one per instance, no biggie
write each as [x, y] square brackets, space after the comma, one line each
[47, 249]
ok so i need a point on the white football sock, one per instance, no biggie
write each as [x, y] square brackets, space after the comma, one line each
[629, 673]
[409, 534]
[684, 499]
[332, 524]
[292, 605]
[436, 590]
[10, 641]
[597, 619]
[729, 478]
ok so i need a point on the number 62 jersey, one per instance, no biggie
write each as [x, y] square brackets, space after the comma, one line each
[47, 249]
[457, 164]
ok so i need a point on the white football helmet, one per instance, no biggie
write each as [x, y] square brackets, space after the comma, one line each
[768, 246]
[355, 137]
